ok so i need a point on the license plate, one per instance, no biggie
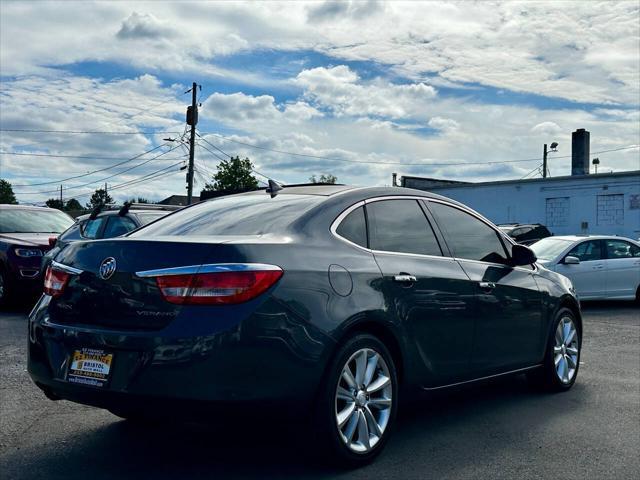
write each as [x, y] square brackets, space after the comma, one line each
[90, 367]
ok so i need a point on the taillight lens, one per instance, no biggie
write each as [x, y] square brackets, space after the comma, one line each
[55, 282]
[220, 288]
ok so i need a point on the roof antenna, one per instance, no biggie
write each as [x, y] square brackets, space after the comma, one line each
[273, 188]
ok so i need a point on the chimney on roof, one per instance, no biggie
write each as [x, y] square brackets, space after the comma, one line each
[580, 152]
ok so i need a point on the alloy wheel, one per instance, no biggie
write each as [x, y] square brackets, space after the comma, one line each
[565, 350]
[363, 400]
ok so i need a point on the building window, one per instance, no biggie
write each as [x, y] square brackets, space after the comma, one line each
[610, 209]
[557, 210]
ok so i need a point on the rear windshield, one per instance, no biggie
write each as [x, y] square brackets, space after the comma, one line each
[233, 215]
[149, 217]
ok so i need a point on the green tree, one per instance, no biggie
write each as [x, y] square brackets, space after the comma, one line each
[72, 205]
[99, 197]
[55, 203]
[6, 192]
[139, 200]
[233, 175]
[328, 178]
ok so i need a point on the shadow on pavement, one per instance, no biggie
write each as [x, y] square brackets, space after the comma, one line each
[237, 448]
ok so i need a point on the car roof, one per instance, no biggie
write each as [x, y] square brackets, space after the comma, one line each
[115, 212]
[7, 206]
[329, 190]
[577, 238]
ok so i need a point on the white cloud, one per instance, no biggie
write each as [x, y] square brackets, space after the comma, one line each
[547, 128]
[444, 124]
[415, 65]
[340, 89]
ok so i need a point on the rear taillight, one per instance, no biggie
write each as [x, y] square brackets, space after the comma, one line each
[55, 282]
[218, 288]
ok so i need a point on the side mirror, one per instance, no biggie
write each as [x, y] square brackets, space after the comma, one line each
[521, 255]
[571, 260]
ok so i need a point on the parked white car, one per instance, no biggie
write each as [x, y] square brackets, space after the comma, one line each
[600, 267]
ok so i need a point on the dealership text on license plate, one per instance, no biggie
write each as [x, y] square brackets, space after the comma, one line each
[90, 367]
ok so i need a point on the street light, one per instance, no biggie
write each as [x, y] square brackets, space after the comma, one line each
[554, 148]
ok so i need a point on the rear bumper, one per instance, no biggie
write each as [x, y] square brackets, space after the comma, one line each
[264, 359]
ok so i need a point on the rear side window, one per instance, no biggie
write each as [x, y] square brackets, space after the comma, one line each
[354, 227]
[400, 226]
[91, 228]
[72, 233]
[252, 214]
[467, 236]
[118, 226]
[621, 249]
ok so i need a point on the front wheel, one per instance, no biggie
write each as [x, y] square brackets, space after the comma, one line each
[562, 359]
[358, 403]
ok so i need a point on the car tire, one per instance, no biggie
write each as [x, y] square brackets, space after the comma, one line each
[356, 411]
[5, 288]
[562, 357]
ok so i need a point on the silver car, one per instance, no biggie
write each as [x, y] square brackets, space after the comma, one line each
[600, 267]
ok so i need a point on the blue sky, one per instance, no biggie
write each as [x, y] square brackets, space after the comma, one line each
[375, 87]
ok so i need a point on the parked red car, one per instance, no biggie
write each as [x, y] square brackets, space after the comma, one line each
[26, 234]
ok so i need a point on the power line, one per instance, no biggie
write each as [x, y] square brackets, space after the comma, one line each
[95, 171]
[225, 153]
[110, 176]
[320, 157]
[96, 132]
[212, 153]
[152, 176]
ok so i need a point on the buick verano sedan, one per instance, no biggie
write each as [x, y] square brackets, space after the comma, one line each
[330, 299]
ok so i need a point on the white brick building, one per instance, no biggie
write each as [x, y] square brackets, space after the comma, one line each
[606, 203]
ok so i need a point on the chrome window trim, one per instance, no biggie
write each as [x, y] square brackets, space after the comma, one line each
[338, 220]
[208, 268]
[65, 268]
[348, 210]
[488, 224]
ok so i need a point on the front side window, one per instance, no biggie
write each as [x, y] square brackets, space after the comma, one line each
[400, 226]
[467, 236]
[621, 249]
[354, 227]
[587, 251]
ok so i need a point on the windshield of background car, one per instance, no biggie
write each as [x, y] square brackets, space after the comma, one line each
[549, 248]
[233, 215]
[33, 221]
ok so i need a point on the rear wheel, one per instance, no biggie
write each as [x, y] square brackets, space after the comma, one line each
[562, 359]
[358, 404]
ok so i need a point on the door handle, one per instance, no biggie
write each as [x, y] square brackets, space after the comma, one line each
[404, 278]
[598, 267]
[487, 286]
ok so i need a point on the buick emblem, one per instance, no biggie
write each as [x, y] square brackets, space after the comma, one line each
[107, 268]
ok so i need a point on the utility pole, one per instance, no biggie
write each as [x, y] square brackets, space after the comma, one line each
[544, 162]
[192, 119]
[105, 192]
[61, 204]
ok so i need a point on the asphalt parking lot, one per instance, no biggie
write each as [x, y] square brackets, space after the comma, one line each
[497, 430]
